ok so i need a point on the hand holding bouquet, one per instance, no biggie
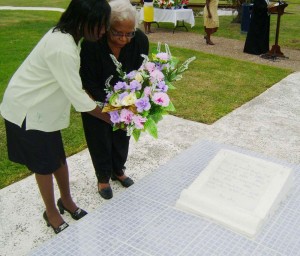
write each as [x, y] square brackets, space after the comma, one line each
[139, 101]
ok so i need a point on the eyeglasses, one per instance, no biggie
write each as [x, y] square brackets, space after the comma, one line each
[120, 34]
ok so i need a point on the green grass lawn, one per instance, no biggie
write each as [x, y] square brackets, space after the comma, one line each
[214, 86]
[52, 3]
[211, 88]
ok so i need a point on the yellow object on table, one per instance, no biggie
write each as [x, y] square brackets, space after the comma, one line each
[148, 12]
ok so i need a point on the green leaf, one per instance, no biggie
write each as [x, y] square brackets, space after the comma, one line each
[170, 85]
[115, 128]
[156, 117]
[170, 107]
[174, 61]
[113, 98]
[151, 128]
[136, 134]
[173, 75]
[138, 94]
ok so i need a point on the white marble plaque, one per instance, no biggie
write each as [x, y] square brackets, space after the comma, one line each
[237, 190]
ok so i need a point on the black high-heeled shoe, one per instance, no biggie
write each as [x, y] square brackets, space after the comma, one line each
[57, 230]
[78, 214]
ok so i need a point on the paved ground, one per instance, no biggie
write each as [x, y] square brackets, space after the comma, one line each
[269, 124]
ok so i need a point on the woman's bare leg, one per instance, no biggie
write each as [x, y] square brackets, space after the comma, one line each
[62, 178]
[149, 27]
[208, 32]
[45, 184]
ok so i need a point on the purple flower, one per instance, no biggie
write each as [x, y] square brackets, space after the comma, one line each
[150, 66]
[119, 86]
[114, 117]
[147, 91]
[162, 86]
[126, 116]
[143, 104]
[158, 66]
[109, 94]
[135, 86]
[131, 74]
[156, 75]
[165, 66]
[163, 56]
[161, 98]
[122, 95]
[139, 121]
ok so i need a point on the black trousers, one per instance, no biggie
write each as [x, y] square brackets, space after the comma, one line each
[108, 148]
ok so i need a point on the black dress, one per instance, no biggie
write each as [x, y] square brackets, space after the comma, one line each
[257, 41]
[108, 148]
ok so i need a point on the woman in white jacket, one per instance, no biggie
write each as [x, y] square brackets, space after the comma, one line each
[36, 104]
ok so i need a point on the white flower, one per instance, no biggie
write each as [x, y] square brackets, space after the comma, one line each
[138, 77]
[128, 100]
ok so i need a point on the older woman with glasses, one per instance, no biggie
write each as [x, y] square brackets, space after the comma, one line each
[108, 148]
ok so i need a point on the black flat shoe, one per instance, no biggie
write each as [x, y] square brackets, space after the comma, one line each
[78, 214]
[106, 193]
[125, 183]
[57, 230]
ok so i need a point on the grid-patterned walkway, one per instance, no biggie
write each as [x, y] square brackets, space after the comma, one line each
[144, 221]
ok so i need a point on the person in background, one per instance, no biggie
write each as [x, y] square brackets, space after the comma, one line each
[148, 15]
[108, 148]
[257, 40]
[37, 102]
[211, 19]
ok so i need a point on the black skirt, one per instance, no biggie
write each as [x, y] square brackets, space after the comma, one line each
[41, 152]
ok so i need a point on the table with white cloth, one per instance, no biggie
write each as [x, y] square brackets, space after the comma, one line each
[172, 15]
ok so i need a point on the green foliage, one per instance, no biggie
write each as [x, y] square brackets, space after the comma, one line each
[151, 128]
[157, 117]
[136, 134]
[170, 108]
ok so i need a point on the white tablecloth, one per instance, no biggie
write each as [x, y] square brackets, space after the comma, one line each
[169, 15]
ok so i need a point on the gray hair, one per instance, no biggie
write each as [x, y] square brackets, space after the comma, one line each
[122, 10]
